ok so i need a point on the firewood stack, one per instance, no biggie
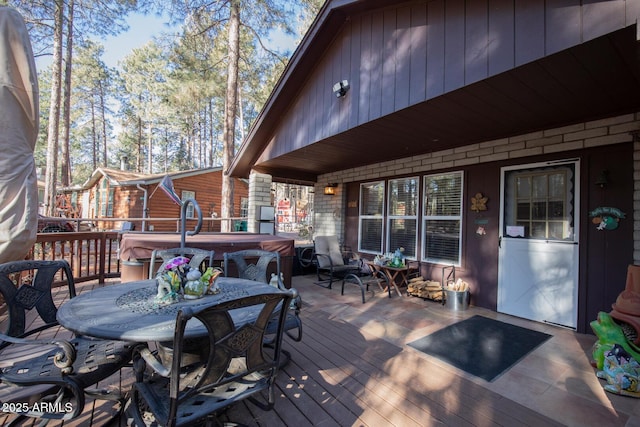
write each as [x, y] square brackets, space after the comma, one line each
[458, 286]
[429, 289]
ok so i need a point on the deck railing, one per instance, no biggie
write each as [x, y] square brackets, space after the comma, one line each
[92, 255]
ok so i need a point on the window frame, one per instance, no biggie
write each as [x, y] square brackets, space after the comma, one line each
[104, 199]
[390, 217]
[378, 216]
[426, 218]
[185, 195]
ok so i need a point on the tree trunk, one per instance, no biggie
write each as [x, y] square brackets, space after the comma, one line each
[65, 163]
[230, 114]
[54, 113]
[103, 118]
[150, 149]
[139, 160]
[94, 136]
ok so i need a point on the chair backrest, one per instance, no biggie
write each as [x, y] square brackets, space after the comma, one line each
[231, 354]
[27, 284]
[252, 264]
[197, 257]
[329, 246]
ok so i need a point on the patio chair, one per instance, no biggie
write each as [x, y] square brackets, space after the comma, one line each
[197, 257]
[49, 369]
[365, 277]
[332, 263]
[253, 264]
[235, 365]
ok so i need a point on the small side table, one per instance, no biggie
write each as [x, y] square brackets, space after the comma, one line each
[397, 275]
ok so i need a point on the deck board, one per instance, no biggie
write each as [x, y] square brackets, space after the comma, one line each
[353, 368]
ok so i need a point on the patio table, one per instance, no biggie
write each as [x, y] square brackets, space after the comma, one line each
[397, 275]
[129, 312]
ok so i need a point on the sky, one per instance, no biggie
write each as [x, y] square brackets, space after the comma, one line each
[143, 27]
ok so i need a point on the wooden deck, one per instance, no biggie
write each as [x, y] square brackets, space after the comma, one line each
[353, 368]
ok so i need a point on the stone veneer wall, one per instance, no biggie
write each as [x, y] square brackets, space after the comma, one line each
[259, 195]
[613, 130]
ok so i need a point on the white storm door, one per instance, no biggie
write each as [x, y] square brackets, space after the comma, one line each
[538, 254]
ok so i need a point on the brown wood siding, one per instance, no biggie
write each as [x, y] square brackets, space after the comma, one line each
[400, 56]
[207, 189]
[604, 255]
[129, 201]
[500, 40]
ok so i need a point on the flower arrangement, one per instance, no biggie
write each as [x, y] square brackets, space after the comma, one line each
[177, 280]
[398, 258]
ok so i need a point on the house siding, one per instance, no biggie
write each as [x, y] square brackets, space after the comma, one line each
[404, 55]
[606, 144]
[129, 202]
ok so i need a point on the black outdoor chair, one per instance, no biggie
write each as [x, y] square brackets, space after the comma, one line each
[332, 263]
[235, 365]
[197, 258]
[253, 264]
[365, 277]
[37, 363]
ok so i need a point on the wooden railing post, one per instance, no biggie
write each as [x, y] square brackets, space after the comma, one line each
[102, 257]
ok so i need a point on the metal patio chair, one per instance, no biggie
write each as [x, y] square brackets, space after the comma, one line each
[235, 365]
[253, 264]
[37, 363]
[366, 276]
[196, 255]
[332, 263]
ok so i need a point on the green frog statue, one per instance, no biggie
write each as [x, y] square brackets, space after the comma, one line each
[198, 284]
[615, 358]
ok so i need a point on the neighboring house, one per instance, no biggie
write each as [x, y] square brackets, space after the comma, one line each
[113, 193]
[424, 113]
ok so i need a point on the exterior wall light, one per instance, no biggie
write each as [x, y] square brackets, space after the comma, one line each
[603, 179]
[330, 189]
[340, 89]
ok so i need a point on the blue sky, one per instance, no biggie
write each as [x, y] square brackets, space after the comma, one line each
[142, 28]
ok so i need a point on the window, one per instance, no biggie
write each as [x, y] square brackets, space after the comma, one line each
[540, 202]
[105, 199]
[402, 221]
[442, 218]
[244, 207]
[186, 194]
[371, 217]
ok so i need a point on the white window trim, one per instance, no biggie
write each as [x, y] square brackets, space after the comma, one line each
[426, 218]
[188, 194]
[377, 217]
[392, 217]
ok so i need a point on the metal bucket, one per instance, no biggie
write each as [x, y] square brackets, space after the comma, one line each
[457, 300]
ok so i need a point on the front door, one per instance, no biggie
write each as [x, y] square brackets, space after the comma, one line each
[538, 254]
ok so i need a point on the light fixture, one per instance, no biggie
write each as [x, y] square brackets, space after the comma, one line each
[340, 89]
[603, 179]
[330, 189]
